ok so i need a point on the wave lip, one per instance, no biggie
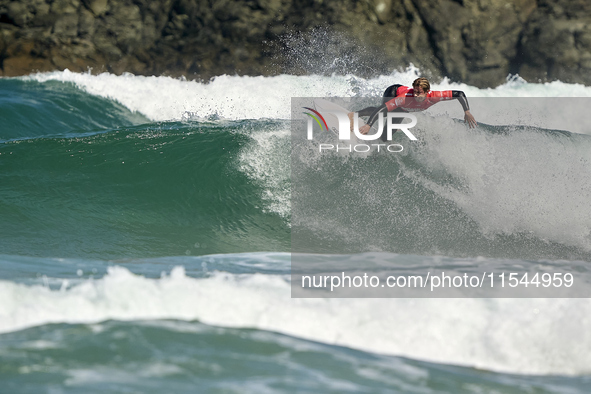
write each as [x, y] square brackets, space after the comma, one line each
[32, 109]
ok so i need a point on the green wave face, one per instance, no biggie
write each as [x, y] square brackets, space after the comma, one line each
[150, 190]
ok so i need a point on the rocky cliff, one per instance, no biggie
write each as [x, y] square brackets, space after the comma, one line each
[475, 41]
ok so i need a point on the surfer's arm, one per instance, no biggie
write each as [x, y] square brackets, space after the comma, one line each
[461, 97]
[373, 118]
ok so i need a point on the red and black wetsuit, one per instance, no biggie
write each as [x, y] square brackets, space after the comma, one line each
[399, 98]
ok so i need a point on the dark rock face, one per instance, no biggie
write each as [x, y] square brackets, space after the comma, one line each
[556, 42]
[475, 41]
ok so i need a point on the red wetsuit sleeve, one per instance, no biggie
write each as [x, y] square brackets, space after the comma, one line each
[438, 95]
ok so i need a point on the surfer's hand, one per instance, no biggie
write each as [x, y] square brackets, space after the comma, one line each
[468, 118]
[365, 129]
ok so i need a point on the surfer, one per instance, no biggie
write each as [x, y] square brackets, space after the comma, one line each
[399, 98]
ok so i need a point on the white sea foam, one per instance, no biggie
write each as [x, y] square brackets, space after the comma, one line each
[229, 97]
[525, 182]
[265, 160]
[537, 336]
[246, 97]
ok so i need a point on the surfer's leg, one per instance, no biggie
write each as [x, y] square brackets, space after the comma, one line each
[390, 93]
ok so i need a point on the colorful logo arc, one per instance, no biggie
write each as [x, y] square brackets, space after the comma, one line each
[315, 118]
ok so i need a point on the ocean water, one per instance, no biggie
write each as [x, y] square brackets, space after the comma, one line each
[145, 237]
